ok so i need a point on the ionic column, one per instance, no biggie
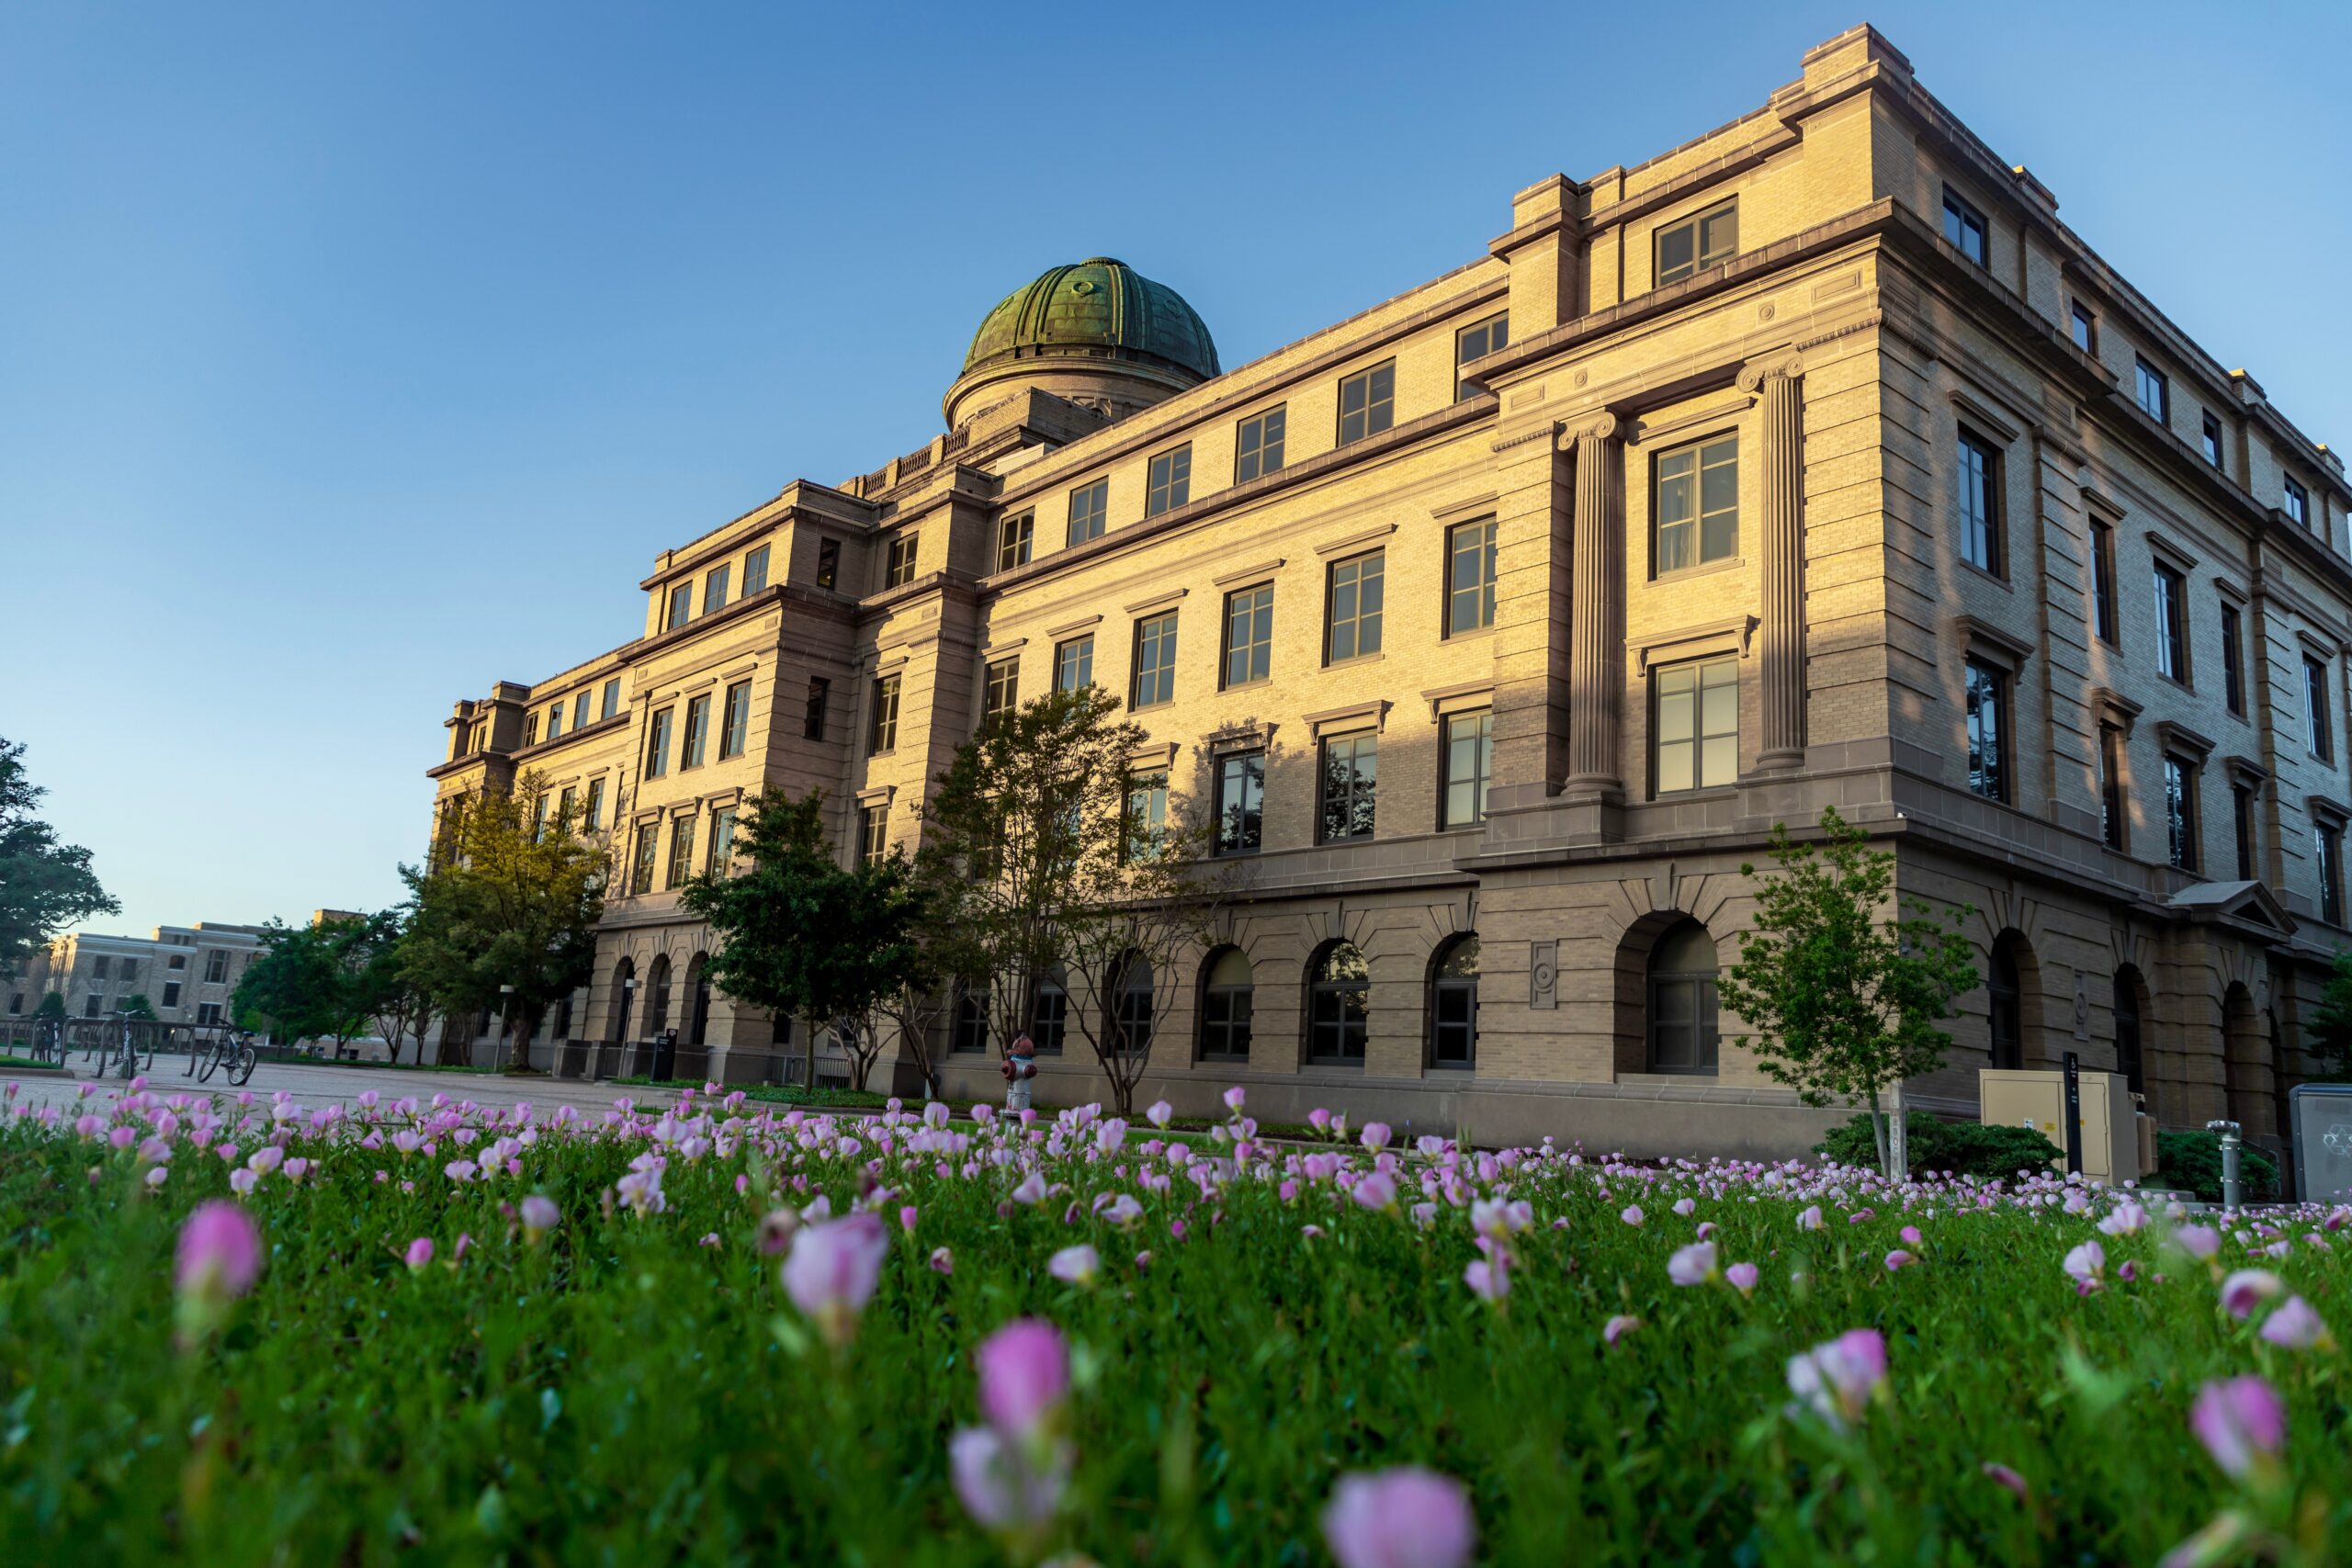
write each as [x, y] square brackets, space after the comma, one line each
[1781, 633]
[1597, 622]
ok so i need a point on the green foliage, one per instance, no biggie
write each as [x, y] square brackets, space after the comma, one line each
[1963, 1148]
[45, 886]
[304, 985]
[1845, 1003]
[2329, 1038]
[50, 1008]
[137, 1005]
[2191, 1162]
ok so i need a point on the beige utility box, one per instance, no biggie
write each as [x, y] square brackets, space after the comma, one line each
[2112, 1132]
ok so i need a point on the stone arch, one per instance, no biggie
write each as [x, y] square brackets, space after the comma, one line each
[1227, 1005]
[2013, 1011]
[2132, 1017]
[623, 1001]
[1450, 1011]
[695, 1008]
[2245, 1069]
[1336, 1025]
[1675, 937]
[657, 996]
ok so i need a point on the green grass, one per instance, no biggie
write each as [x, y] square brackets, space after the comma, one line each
[623, 1393]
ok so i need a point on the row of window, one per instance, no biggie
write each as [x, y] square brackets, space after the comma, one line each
[610, 705]
[1367, 405]
[104, 966]
[734, 729]
[1347, 785]
[714, 588]
[646, 856]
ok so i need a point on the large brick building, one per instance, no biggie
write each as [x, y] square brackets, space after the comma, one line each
[1814, 461]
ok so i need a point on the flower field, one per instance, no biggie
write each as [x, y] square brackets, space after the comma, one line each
[239, 1330]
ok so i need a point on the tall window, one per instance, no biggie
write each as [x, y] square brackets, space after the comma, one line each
[1248, 634]
[682, 852]
[1454, 1005]
[873, 833]
[2103, 581]
[1003, 694]
[1258, 445]
[2242, 824]
[1155, 662]
[580, 711]
[735, 720]
[2180, 813]
[698, 732]
[1074, 664]
[1963, 226]
[1228, 993]
[898, 568]
[1469, 576]
[1472, 342]
[2084, 326]
[1697, 725]
[1352, 607]
[1696, 518]
[531, 728]
[2330, 837]
[682, 605]
[714, 589]
[1146, 815]
[539, 819]
[1049, 1013]
[1131, 999]
[1703, 239]
[1241, 802]
[657, 745]
[1682, 1022]
[567, 811]
[1367, 402]
[828, 562]
[1980, 503]
[885, 737]
[971, 1019]
[2111, 786]
[2005, 1010]
[722, 842]
[2298, 503]
[755, 569]
[1170, 482]
[2212, 434]
[1339, 1005]
[1089, 511]
[2318, 733]
[2172, 623]
[1467, 764]
[649, 848]
[1014, 536]
[812, 725]
[555, 721]
[2233, 660]
[1988, 722]
[591, 818]
[612, 698]
[2129, 1058]
[2153, 391]
[1349, 774]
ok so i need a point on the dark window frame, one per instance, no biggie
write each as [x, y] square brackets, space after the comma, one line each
[2170, 584]
[2215, 452]
[2115, 822]
[1977, 480]
[2295, 501]
[1960, 222]
[1698, 452]
[1256, 604]
[1339, 1007]
[2319, 720]
[1000, 686]
[1015, 536]
[2145, 379]
[1350, 812]
[812, 720]
[873, 833]
[1663, 679]
[1258, 450]
[1228, 1013]
[1710, 246]
[1478, 534]
[1479, 779]
[1704, 1056]
[1151, 671]
[2181, 823]
[2233, 660]
[1075, 654]
[1453, 1007]
[693, 738]
[2082, 325]
[1168, 481]
[735, 720]
[898, 557]
[2104, 620]
[1377, 411]
[1369, 568]
[755, 569]
[657, 743]
[1990, 778]
[1089, 512]
[1241, 825]
[882, 733]
[1477, 340]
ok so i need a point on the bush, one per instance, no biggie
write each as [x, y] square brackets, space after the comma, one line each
[1964, 1148]
[2191, 1162]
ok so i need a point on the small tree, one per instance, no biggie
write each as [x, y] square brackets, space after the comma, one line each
[503, 902]
[1846, 1003]
[304, 981]
[2329, 1038]
[50, 1008]
[137, 1005]
[807, 937]
[1046, 818]
[45, 886]
[386, 991]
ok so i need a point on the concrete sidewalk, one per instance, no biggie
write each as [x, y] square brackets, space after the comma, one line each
[319, 1083]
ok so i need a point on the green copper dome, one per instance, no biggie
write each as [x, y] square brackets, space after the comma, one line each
[1099, 307]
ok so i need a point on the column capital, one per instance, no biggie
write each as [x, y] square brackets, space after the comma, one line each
[1788, 365]
[1598, 426]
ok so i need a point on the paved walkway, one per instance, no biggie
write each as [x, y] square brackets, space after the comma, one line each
[319, 1083]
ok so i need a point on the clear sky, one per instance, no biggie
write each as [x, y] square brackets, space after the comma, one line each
[352, 357]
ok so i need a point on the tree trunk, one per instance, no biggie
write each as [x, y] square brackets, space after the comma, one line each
[1878, 1129]
[1898, 1136]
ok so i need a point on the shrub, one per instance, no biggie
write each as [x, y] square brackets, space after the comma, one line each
[1964, 1148]
[2191, 1162]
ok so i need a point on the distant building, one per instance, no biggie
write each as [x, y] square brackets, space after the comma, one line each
[185, 972]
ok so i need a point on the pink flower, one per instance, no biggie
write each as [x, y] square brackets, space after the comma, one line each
[2007, 1477]
[1810, 1219]
[1684, 1206]
[1488, 1277]
[539, 1215]
[2293, 1326]
[906, 1218]
[2127, 1219]
[1910, 1234]
[1075, 1265]
[2201, 1242]
[244, 1182]
[2240, 1422]
[1374, 1135]
[1160, 1114]
[941, 1261]
[1632, 1215]
[1234, 1097]
[2247, 1289]
[1032, 1189]
[1024, 1375]
[1898, 1258]
[832, 1269]
[219, 1253]
[1838, 1378]
[1693, 1265]
[1619, 1326]
[157, 1175]
[1376, 1191]
[2084, 1264]
[1742, 1277]
[1004, 1488]
[1406, 1518]
[420, 1252]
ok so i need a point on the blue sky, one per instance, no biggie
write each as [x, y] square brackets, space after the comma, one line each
[353, 357]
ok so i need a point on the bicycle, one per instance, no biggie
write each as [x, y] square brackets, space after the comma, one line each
[231, 1050]
[49, 1042]
[120, 1052]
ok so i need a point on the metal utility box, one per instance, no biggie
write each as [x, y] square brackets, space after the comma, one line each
[2112, 1141]
[2321, 1114]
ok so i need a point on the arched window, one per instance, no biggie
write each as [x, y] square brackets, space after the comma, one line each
[2128, 1059]
[1339, 1003]
[1682, 1001]
[1227, 987]
[1049, 1014]
[971, 1018]
[697, 998]
[2008, 1011]
[1131, 998]
[624, 994]
[1454, 1004]
[657, 995]
[560, 1022]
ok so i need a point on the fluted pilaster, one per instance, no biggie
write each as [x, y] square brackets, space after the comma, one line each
[1597, 624]
[1780, 635]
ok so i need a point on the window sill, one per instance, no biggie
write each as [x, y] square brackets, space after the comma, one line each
[1696, 792]
[1353, 659]
[1469, 634]
[1334, 1062]
[1705, 568]
[1989, 575]
[1250, 685]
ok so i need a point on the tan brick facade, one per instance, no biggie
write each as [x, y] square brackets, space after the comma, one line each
[1806, 379]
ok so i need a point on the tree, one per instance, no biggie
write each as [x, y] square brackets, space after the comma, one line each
[1846, 1003]
[136, 1005]
[50, 1008]
[391, 997]
[45, 886]
[304, 982]
[2330, 1035]
[1077, 868]
[804, 936]
[501, 902]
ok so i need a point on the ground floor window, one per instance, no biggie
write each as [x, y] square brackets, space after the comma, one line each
[1682, 1001]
